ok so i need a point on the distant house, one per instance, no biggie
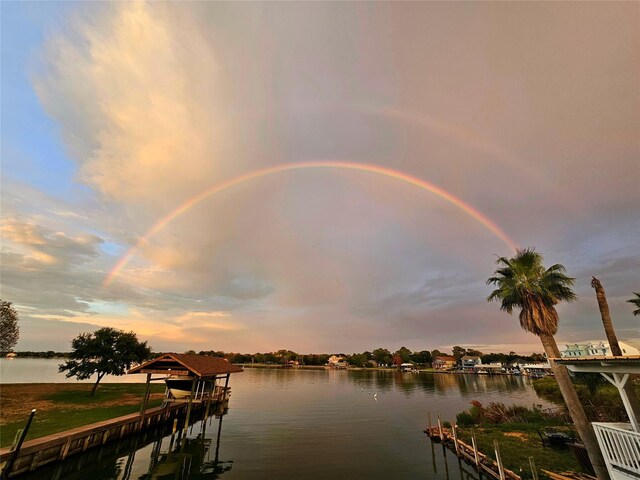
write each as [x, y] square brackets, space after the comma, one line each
[444, 362]
[336, 361]
[469, 362]
[12, 355]
[600, 348]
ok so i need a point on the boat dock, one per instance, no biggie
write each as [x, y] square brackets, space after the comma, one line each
[52, 448]
[179, 407]
[483, 463]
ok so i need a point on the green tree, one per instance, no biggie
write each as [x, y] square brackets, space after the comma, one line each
[382, 355]
[423, 357]
[9, 330]
[459, 352]
[404, 353]
[105, 352]
[636, 303]
[523, 282]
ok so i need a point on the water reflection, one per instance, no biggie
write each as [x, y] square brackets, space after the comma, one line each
[442, 457]
[311, 424]
[464, 385]
[187, 458]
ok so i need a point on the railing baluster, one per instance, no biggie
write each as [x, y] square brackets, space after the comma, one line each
[620, 446]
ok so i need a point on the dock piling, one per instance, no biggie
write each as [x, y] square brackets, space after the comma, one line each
[534, 471]
[498, 459]
[475, 447]
[455, 438]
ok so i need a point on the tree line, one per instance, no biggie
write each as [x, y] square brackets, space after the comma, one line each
[376, 357]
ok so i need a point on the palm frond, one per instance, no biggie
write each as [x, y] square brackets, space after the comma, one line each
[523, 282]
[636, 302]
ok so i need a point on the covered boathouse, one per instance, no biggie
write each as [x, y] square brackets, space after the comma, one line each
[189, 378]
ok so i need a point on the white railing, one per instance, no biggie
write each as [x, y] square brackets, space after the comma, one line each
[620, 446]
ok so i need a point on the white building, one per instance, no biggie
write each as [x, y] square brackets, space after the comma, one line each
[600, 348]
[619, 442]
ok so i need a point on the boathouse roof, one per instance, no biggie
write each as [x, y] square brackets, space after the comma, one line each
[184, 364]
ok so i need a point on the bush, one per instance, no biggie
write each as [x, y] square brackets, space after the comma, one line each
[498, 413]
[465, 420]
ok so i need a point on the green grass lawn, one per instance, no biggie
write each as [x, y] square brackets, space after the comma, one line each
[517, 443]
[72, 407]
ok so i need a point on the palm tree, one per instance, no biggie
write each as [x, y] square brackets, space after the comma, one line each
[601, 296]
[523, 282]
[636, 302]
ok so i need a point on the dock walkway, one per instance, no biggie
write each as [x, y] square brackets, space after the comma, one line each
[470, 453]
[58, 446]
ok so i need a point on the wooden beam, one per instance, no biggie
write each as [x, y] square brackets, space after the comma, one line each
[165, 371]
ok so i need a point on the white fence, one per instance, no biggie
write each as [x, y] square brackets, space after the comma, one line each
[621, 449]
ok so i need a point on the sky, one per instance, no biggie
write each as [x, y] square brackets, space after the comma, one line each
[315, 176]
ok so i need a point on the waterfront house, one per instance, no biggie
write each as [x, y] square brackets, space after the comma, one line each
[619, 442]
[600, 348]
[336, 361]
[469, 362]
[444, 362]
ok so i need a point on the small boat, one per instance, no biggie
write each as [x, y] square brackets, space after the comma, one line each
[180, 386]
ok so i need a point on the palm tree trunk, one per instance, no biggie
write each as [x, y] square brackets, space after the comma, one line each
[601, 296]
[582, 424]
[616, 351]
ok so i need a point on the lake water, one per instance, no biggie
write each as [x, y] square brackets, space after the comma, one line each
[308, 424]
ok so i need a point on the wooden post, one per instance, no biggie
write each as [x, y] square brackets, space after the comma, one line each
[145, 399]
[211, 390]
[429, 415]
[498, 459]
[440, 430]
[189, 405]
[65, 449]
[7, 469]
[534, 471]
[475, 447]
[455, 438]
[226, 384]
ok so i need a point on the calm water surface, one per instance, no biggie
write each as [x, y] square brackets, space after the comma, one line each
[312, 424]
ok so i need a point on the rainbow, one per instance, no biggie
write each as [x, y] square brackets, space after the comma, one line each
[360, 167]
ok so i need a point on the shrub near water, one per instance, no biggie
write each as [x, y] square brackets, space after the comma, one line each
[600, 399]
[516, 429]
[496, 413]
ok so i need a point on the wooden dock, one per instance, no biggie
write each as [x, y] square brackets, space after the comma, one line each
[470, 453]
[58, 446]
